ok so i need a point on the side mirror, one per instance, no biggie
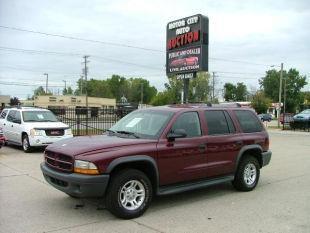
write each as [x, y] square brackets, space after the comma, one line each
[178, 133]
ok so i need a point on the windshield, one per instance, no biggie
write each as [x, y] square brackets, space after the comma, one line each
[307, 111]
[39, 116]
[143, 124]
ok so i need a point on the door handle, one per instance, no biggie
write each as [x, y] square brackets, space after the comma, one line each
[202, 147]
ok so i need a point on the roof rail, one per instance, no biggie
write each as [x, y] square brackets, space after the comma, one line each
[227, 105]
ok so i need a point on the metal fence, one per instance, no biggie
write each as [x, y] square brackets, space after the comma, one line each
[89, 121]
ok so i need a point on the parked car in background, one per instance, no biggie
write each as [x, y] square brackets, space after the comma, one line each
[302, 116]
[32, 127]
[2, 138]
[265, 117]
[160, 151]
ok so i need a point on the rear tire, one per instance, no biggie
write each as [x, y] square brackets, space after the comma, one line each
[25, 144]
[129, 194]
[247, 174]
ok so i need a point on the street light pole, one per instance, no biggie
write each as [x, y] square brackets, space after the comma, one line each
[280, 92]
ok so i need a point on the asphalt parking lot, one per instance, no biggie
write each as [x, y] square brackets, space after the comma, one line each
[280, 203]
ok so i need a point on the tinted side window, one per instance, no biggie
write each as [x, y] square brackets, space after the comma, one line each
[248, 122]
[11, 115]
[216, 122]
[189, 121]
[3, 114]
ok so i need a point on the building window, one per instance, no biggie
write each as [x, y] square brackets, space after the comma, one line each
[52, 99]
[73, 100]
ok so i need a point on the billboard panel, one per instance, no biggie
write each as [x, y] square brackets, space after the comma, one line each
[187, 45]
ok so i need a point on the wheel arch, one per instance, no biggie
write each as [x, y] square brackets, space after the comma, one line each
[22, 136]
[253, 150]
[144, 163]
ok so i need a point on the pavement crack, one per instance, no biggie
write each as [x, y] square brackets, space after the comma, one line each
[288, 178]
[70, 227]
[146, 226]
[14, 175]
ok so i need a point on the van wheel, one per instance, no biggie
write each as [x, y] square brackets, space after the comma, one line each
[26, 144]
[247, 174]
[129, 194]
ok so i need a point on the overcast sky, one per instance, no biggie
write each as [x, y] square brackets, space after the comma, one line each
[262, 32]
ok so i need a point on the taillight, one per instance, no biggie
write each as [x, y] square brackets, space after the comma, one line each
[267, 143]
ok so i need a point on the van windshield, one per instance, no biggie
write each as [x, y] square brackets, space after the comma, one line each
[39, 116]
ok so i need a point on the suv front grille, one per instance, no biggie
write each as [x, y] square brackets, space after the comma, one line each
[59, 161]
[54, 132]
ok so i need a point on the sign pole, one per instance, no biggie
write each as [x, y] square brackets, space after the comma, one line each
[185, 90]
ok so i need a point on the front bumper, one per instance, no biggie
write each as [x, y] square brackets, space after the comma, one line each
[266, 156]
[77, 185]
[46, 140]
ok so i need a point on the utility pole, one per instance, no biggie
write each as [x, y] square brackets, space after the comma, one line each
[65, 83]
[85, 76]
[213, 85]
[284, 100]
[81, 91]
[86, 94]
[141, 94]
[280, 92]
[46, 84]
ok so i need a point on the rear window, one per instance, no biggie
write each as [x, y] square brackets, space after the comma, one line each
[219, 122]
[248, 121]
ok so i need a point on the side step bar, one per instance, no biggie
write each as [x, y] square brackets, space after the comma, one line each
[167, 190]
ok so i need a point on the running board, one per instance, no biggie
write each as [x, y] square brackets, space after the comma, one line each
[172, 189]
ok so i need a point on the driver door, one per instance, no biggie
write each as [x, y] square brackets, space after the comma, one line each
[183, 159]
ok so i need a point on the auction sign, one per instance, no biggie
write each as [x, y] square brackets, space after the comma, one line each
[187, 45]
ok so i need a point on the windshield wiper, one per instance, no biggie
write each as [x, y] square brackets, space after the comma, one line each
[110, 131]
[128, 133]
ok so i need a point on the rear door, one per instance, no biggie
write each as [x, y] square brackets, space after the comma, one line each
[8, 125]
[223, 143]
[16, 128]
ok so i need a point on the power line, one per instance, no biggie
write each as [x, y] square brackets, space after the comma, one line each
[22, 84]
[42, 52]
[118, 44]
[82, 39]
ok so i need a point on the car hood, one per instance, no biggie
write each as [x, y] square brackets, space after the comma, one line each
[86, 144]
[45, 125]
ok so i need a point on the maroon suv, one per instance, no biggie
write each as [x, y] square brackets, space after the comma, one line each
[159, 151]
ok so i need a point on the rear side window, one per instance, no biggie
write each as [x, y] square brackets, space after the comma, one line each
[219, 122]
[189, 121]
[11, 115]
[3, 114]
[248, 122]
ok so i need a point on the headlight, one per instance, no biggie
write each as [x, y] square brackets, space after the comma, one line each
[36, 132]
[68, 132]
[85, 167]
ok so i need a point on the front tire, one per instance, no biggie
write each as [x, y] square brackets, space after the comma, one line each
[247, 174]
[26, 145]
[129, 194]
